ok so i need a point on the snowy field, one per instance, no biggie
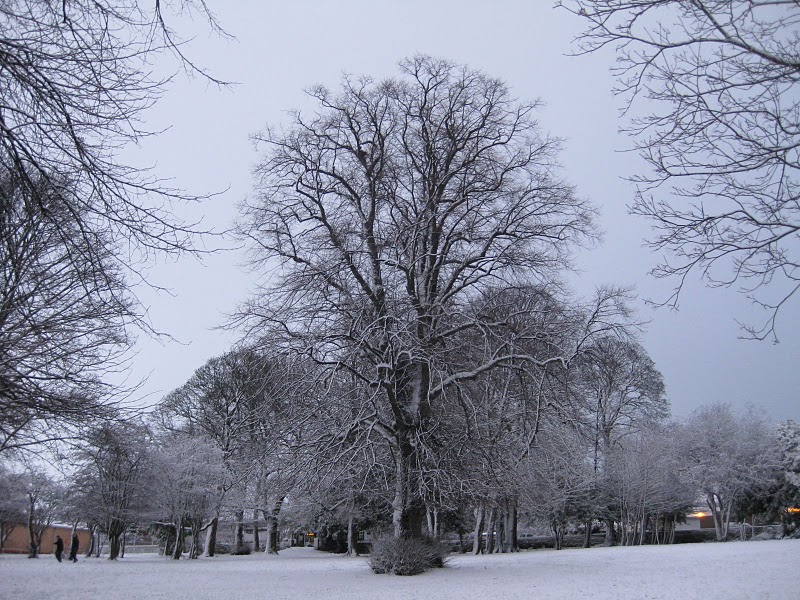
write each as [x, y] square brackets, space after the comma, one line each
[733, 570]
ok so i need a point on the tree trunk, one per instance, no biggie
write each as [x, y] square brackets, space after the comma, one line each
[256, 537]
[352, 550]
[408, 511]
[643, 532]
[194, 550]
[587, 535]
[272, 527]
[92, 534]
[490, 525]
[239, 534]
[113, 546]
[514, 527]
[178, 550]
[611, 538]
[500, 531]
[727, 519]
[557, 535]
[477, 540]
[33, 538]
[717, 511]
[211, 537]
[114, 533]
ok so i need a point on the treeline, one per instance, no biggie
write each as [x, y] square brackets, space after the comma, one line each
[251, 439]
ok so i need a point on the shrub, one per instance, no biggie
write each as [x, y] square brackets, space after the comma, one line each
[407, 556]
[242, 550]
[221, 548]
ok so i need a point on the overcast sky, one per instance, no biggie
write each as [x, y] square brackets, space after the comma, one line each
[281, 48]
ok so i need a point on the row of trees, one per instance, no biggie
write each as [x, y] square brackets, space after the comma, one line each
[269, 461]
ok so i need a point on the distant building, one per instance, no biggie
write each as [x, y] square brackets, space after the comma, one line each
[700, 519]
[18, 541]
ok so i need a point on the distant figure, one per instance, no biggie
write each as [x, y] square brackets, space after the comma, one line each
[59, 548]
[73, 549]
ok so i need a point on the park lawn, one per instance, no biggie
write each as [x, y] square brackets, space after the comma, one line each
[759, 569]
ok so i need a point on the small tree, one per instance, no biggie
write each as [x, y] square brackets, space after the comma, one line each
[42, 497]
[727, 456]
[184, 484]
[114, 463]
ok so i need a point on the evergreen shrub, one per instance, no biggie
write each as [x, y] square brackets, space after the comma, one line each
[407, 556]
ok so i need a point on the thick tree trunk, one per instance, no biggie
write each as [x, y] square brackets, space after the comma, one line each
[272, 527]
[408, 511]
[507, 530]
[211, 537]
[558, 535]
[92, 536]
[114, 545]
[256, 537]
[114, 531]
[611, 538]
[352, 550]
[178, 550]
[490, 527]
[432, 517]
[587, 535]
[239, 531]
[477, 540]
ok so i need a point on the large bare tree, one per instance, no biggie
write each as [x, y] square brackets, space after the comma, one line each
[386, 219]
[712, 91]
[63, 306]
[78, 223]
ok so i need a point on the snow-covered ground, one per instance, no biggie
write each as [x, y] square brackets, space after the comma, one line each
[769, 569]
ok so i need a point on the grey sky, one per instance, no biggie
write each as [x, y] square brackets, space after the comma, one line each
[282, 48]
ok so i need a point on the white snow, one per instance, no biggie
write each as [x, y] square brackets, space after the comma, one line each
[767, 569]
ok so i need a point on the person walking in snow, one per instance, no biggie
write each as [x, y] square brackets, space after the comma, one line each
[73, 548]
[59, 548]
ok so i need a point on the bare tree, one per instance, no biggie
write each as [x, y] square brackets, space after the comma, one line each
[236, 401]
[43, 496]
[63, 309]
[650, 485]
[388, 212]
[77, 224]
[557, 479]
[618, 391]
[111, 477]
[722, 145]
[184, 482]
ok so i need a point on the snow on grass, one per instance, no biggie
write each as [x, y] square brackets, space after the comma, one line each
[733, 570]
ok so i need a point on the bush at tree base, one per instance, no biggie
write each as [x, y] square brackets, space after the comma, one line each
[407, 556]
